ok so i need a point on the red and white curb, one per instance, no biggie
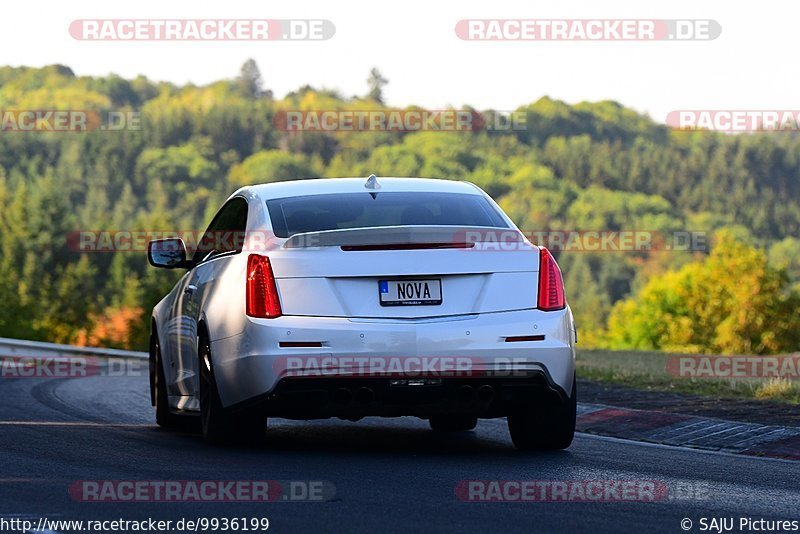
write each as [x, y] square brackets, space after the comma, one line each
[690, 431]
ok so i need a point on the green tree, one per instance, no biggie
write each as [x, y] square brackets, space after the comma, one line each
[270, 166]
[785, 254]
[376, 82]
[592, 165]
[587, 299]
[249, 82]
[732, 302]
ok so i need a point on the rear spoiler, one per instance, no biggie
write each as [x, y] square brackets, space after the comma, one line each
[404, 237]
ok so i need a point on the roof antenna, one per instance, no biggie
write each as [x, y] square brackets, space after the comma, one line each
[372, 182]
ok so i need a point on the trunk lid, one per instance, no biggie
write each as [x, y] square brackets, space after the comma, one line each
[338, 273]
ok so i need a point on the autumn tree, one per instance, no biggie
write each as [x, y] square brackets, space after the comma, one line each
[732, 302]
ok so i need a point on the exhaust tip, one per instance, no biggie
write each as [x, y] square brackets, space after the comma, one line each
[365, 395]
[343, 396]
[466, 393]
[486, 393]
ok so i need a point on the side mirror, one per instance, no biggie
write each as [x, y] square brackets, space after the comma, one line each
[167, 253]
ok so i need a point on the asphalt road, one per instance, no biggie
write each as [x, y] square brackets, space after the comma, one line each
[389, 474]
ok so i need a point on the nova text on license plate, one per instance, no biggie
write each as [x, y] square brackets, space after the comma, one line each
[410, 292]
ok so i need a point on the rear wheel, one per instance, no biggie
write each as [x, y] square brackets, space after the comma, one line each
[158, 387]
[453, 423]
[219, 425]
[545, 427]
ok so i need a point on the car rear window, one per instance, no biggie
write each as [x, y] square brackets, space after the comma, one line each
[337, 211]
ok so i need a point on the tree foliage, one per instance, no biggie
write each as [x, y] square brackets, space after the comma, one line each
[376, 83]
[577, 167]
[733, 302]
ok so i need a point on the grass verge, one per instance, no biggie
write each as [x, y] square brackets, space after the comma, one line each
[650, 371]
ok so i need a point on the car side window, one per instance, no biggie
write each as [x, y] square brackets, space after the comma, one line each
[226, 232]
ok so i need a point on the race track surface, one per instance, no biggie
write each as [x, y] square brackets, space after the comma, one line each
[388, 474]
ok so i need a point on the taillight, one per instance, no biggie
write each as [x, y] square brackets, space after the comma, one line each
[262, 293]
[551, 286]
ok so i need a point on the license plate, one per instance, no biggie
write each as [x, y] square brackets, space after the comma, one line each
[410, 292]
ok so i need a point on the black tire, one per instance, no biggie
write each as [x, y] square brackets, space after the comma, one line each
[221, 426]
[545, 427]
[453, 423]
[158, 388]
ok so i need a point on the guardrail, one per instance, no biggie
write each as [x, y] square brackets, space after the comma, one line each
[38, 349]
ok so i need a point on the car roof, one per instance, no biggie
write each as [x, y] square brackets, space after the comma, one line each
[355, 185]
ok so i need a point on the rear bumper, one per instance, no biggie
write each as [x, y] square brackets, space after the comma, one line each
[353, 398]
[472, 351]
